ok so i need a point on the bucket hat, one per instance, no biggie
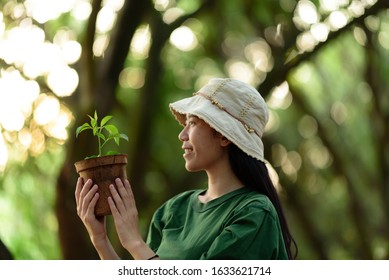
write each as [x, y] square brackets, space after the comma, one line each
[231, 107]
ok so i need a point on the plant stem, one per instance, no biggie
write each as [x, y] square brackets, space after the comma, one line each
[98, 137]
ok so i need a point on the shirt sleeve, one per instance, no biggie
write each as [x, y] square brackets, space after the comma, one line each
[251, 233]
[154, 236]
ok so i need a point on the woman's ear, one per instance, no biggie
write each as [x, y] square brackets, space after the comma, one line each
[224, 141]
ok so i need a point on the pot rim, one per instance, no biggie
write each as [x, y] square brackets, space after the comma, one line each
[89, 163]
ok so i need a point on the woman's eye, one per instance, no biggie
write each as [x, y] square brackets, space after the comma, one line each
[191, 121]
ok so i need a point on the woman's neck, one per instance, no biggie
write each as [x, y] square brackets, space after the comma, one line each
[220, 182]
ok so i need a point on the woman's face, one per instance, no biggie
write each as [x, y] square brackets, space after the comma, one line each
[203, 147]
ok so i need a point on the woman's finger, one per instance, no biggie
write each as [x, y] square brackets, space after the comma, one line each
[86, 200]
[92, 204]
[81, 190]
[86, 187]
[125, 192]
[78, 190]
[117, 199]
[112, 206]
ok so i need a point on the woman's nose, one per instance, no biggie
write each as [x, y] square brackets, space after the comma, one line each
[183, 135]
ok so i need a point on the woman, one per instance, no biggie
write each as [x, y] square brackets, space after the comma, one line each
[238, 215]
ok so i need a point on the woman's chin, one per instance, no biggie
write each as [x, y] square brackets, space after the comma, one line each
[191, 168]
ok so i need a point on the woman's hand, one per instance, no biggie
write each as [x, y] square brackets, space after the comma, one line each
[125, 214]
[86, 199]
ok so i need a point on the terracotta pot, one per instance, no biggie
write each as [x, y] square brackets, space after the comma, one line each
[103, 171]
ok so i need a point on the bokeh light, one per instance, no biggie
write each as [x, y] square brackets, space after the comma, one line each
[33, 57]
[183, 39]
[140, 44]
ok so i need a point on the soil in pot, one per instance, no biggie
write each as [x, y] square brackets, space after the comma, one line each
[103, 171]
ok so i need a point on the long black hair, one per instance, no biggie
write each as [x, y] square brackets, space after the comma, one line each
[253, 174]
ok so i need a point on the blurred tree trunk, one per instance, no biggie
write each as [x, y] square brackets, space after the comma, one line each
[5, 254]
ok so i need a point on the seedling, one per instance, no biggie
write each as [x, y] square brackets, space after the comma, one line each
[104, 132]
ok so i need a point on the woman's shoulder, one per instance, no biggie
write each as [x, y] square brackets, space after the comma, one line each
[256, 200]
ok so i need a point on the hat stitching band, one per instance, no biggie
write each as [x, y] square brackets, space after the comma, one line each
[217, 86]
[247, 106]
[220, 106]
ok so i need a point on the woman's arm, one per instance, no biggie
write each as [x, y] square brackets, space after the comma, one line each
[105, 250]
[125, 214]
[86, 198]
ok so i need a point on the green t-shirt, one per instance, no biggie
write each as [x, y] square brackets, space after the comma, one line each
[242, 224]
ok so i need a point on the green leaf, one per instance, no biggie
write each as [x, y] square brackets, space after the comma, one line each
[92, 121]
[95, 129]
[117, 139]
[112, 130]
[102, 136]
[111, 153]
[105, 120]
[118, 136]
[83, 127]
[123, 136]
